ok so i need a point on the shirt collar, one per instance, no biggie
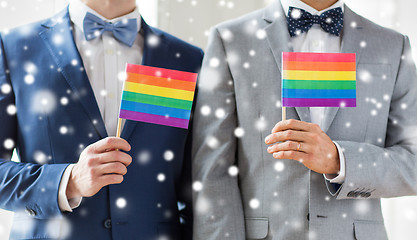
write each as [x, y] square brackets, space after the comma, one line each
[78, 10]
[286, 4]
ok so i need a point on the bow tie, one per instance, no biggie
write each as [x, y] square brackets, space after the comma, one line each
[300, 21]
[125, 31]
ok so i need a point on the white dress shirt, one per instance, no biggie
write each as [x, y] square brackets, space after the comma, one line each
[104, 60]
[317, 40]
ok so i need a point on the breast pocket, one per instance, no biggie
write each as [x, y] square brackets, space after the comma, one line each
[256, 228]
[369, 230]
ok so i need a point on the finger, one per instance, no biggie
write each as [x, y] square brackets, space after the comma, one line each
[288, 135]
[112, 168]
[110, 179]
[288, 146]
[115, 156]
[294, 155]
[111, 143]
[293, 124]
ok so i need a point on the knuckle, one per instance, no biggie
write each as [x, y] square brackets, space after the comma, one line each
[91, 161]
[291, 122]
[289, 133]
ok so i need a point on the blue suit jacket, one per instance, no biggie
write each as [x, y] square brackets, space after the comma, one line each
[30, 188]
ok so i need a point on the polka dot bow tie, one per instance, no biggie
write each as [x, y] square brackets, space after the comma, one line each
[300, 21]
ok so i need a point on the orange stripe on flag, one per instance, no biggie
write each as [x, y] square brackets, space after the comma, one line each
[319, 66]
[160, 82]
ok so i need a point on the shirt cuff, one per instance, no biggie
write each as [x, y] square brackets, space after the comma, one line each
[338, 178]
[65, 204]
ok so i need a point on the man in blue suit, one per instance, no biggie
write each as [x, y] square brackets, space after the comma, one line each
[60, 86]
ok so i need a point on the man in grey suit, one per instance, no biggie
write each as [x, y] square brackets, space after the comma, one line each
[321, 174]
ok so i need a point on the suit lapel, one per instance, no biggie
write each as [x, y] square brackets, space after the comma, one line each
[61, 45]
[152, 56]
[279, 41]
[351, 40]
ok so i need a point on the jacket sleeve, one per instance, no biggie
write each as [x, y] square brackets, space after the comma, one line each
[390, 171]
[23, 186]
[218, 211]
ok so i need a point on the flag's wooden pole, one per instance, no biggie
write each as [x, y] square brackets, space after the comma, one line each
[119, 127]
[284, 113]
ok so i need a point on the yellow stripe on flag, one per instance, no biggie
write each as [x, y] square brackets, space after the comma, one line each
[159, 91]
[319, 75]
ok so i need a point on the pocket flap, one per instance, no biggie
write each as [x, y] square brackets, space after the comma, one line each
[256, 228]
[369, 230]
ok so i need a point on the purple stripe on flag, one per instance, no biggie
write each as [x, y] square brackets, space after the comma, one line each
[156, 119]
[318, 102]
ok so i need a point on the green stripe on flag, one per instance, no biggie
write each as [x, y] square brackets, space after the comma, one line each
[156, 100]
[318, 84]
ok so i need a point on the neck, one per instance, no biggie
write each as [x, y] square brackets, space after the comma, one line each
[111, 8]
[319, 4]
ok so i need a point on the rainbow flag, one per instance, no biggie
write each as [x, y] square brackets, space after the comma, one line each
[157, 95]
[318, 79]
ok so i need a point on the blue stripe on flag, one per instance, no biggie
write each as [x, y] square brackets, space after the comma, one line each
[318, 93]
[156, 110]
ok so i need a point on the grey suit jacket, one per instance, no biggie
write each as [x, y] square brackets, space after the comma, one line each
[240, 86]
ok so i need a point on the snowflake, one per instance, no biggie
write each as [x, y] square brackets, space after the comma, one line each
[64, 101]
[261, 34]
[212, 142]
[29, 79]
[239, 132]
[220, 113]
[63, 130]
[60, 231]
[43, 101]
[202, 205]
[226, 35]
[168, 155]
[233, 171]
[144, 157]
[161, 177]
[279, 166]
[122, 76]
[57, 39]
[121, 202]
[365, 76]
[260, 124]
[153, 41]
[8, 144]
[11, 109]
[6, 88]
[252, 53]
[362, 44]
[39, 157]
[197, 186]
[205, 110]
[254, 203]
[361, 206]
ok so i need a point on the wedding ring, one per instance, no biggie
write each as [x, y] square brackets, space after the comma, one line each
[299, 146]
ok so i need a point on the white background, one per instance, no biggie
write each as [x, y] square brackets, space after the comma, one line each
[191, 21]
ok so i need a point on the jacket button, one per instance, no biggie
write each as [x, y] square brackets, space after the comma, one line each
[351, 194]
[31, 212]
[107, 223]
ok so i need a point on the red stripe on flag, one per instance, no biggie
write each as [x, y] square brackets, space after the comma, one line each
[161, 72]
[318, 57]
